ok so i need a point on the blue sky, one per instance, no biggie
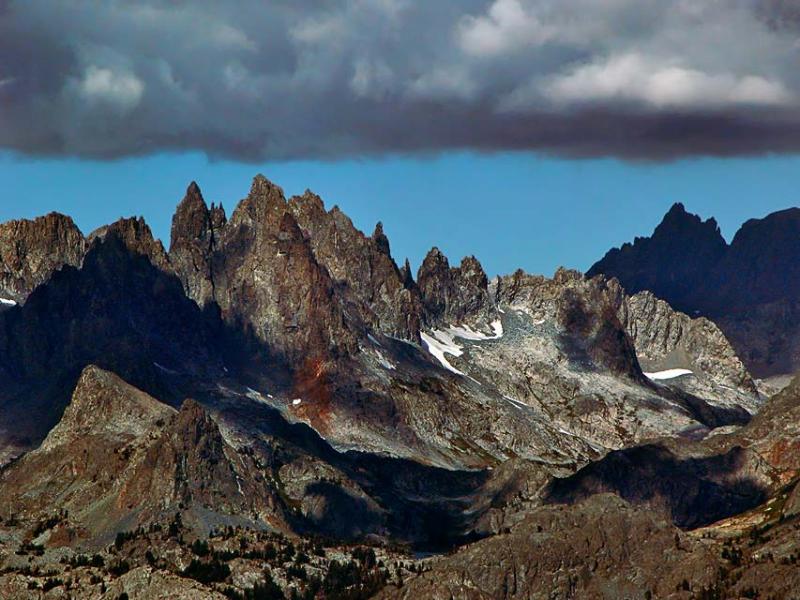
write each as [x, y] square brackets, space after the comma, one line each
[508, 209]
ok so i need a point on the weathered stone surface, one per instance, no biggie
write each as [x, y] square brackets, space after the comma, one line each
[363, 264]
[30, 251]
[454, 295]
[666, 339]
[195, 233]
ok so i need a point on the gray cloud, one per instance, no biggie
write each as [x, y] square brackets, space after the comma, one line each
[639, 79]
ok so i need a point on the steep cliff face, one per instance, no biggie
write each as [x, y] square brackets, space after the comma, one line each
[363, 265]
[260, 269]
[668, 343]
[195, 233]
[30, 251]
[119, 459]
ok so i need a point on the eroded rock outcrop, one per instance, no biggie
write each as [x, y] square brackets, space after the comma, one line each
[454, 295]
[30, 251]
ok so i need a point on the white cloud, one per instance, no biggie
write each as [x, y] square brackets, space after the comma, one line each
[634, 78]
[506, 26]
[121, 90]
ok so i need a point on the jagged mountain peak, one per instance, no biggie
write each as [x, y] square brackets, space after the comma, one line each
[264, 188]
[454, 294]
[381, 240]
[103, 404]
[136, 235]
[679, 220]
[31, 250]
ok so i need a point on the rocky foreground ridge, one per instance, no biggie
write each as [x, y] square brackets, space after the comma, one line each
[274, 380]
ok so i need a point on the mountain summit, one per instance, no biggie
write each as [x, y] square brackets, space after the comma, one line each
[749, 288]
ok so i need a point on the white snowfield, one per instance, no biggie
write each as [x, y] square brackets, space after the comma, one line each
[7, 302]
[442, 341]
[668, 374]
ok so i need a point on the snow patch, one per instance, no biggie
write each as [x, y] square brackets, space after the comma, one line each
[438, 348]
[7, 302]
[296, 401]
[668, 374]
[515, 403]
[468, 333]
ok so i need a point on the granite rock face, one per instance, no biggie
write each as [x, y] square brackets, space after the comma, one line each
[30, 251]
[665, 339]
[195, 232]
[454, 295]
[362, 266]
[119, 457]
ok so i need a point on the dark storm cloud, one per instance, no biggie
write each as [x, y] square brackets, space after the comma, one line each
[640, 79]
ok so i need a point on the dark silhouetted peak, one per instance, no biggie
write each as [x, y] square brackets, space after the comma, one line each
[380, 239]
[31, 250]
[679, 222]
[762, 264]
[673, 263]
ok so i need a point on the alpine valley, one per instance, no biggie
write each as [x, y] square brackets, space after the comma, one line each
[274, 408]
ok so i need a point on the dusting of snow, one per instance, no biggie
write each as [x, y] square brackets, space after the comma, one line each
[373, 340]
[296, 402]
[515, 403]
[385, 362]
[438, 348]
[668, 374]
[7, 302]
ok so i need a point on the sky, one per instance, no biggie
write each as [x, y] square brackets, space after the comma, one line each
[510, 210]
[531, 133]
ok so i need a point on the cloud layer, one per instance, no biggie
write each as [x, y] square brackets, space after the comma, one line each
[251, 80]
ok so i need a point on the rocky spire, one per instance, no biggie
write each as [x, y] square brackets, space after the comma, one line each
[407, 276]
[195, 231]
[381, 240]
[454, 295]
